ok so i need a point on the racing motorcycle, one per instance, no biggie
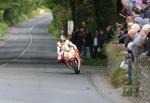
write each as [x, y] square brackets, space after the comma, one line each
[71, 58]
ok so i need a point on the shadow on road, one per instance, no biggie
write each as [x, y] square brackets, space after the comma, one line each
[33, 60]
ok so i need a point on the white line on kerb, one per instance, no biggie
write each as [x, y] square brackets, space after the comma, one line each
[24, 51]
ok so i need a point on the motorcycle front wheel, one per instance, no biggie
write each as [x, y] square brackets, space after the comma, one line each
[75, 67]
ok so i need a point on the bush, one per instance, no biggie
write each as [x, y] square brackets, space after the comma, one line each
[22, 17]
[1, 15]
[127, 91]
[130, 91]
[10, 16]
[118, 77]
[53, 29]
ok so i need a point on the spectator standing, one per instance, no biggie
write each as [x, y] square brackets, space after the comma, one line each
[102, 38]
[88, 44]
[96, 43]
[146, 8]
[129, 61]
[79, 41]
[73, 38]
[147, 46]
[83, 36]
[109, 33]
[122, 36]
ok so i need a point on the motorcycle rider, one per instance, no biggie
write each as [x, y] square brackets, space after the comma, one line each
[63, 45]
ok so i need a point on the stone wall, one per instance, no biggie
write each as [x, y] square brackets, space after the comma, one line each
[144, 88]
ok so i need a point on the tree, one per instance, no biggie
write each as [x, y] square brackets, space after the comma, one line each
[105, 12]
[13, 9]
[82, 12]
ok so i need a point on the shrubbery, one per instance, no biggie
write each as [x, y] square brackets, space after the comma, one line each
[127, 91]
[10, 16]
[118, 77]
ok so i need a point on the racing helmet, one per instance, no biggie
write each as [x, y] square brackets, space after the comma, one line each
[62, 39]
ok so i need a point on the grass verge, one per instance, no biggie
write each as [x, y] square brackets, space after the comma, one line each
[3, 28]
[118, 77]
[95, 61]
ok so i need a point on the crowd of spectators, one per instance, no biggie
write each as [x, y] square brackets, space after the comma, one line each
[90, 44]
[136, 31]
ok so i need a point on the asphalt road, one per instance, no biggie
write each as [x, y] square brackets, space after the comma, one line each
[29, 72]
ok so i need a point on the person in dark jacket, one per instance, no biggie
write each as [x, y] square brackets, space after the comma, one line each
[146, 10]
[88, 44]
[109, 33]
[79, 41]
[147, 46]
[102, 38]
[96, 44]
[127, 40]
[129, 59]
[122, 36]
[73, 38]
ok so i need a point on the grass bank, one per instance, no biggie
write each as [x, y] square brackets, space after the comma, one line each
[118, 77]
[99, 61]
[115, 54]
[3, 28]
